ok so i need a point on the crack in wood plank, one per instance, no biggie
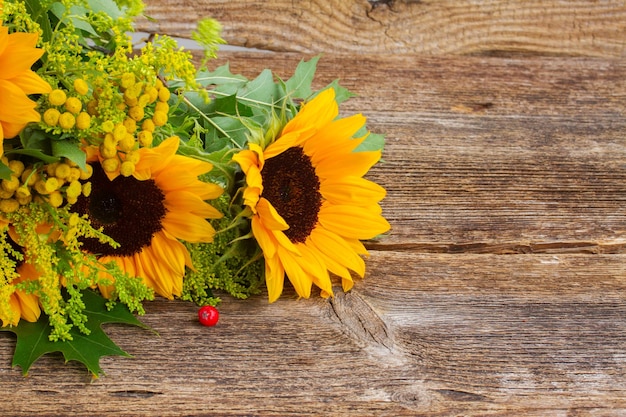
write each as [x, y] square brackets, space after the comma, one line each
[359, 320]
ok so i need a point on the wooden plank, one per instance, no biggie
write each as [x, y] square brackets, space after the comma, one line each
[423, 334]
[434, 329]
[425, 27]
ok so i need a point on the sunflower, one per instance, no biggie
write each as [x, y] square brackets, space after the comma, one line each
[21, 305]
[311, 205]
[148, 217]
[17, 54]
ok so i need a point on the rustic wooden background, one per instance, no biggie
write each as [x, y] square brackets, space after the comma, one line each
[501, 289]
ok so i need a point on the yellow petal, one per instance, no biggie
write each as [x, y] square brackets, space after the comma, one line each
[274, 278]
[188, 202]
[192, 229]
[264, 238]
[337, 249]
[352, 222]
[313, 265]
[300, 280]
[322, 110]
[351, 190]
[353, 164]
[269, 216]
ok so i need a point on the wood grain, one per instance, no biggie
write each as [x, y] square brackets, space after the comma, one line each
[501, 289]
[575, 28]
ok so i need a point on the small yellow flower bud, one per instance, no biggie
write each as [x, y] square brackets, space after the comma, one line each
[22, 192]
[24, 200]
[119, 132]
[74, 189]
[108, 126]
[83, 121]
[40, 187]
[136, 113]
[164, 94]
[87, 189]
[86, 174]
[74, 174]
[29, 177]
[148, 125]
[51, 169]
[108, 151]
[17, 167]
[55, 199]
[57, 97]
[109, 140]
[52, 184]
[110, 164]
[73, 220]
[162, 106]
[145, 138]
[9, 205]
[11, 184]
[153, 94]
[143, 100]
[159, 118]
[127, 168]
[67, 120]
[80, 86]
[51, 117]
[130, 125]
[62, 171]
[133, 157]
[127, 144]
[6, 194]
[73, 105]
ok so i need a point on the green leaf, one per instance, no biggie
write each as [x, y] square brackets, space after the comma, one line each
[373, 142]
[221, 76]
[341, 93]
[109, 7]
[299, 85]
[5, 172]
[40, 15]
[70, 150]
[77, 17]
[33, 341]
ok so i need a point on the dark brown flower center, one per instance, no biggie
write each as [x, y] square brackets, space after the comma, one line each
[129, 211]
[292, 186]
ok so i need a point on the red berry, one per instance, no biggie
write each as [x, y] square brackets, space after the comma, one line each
[208, 315]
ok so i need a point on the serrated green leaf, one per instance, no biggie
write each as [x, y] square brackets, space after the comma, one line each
[299, 85]
[341, 93]
[70, 150]
[33, 341]
[373, 142]
[262, 91]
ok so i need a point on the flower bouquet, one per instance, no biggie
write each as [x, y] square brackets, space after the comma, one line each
[130, 172]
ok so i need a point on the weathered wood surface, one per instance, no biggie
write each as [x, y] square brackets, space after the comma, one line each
[501, 289]
[580, 27]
